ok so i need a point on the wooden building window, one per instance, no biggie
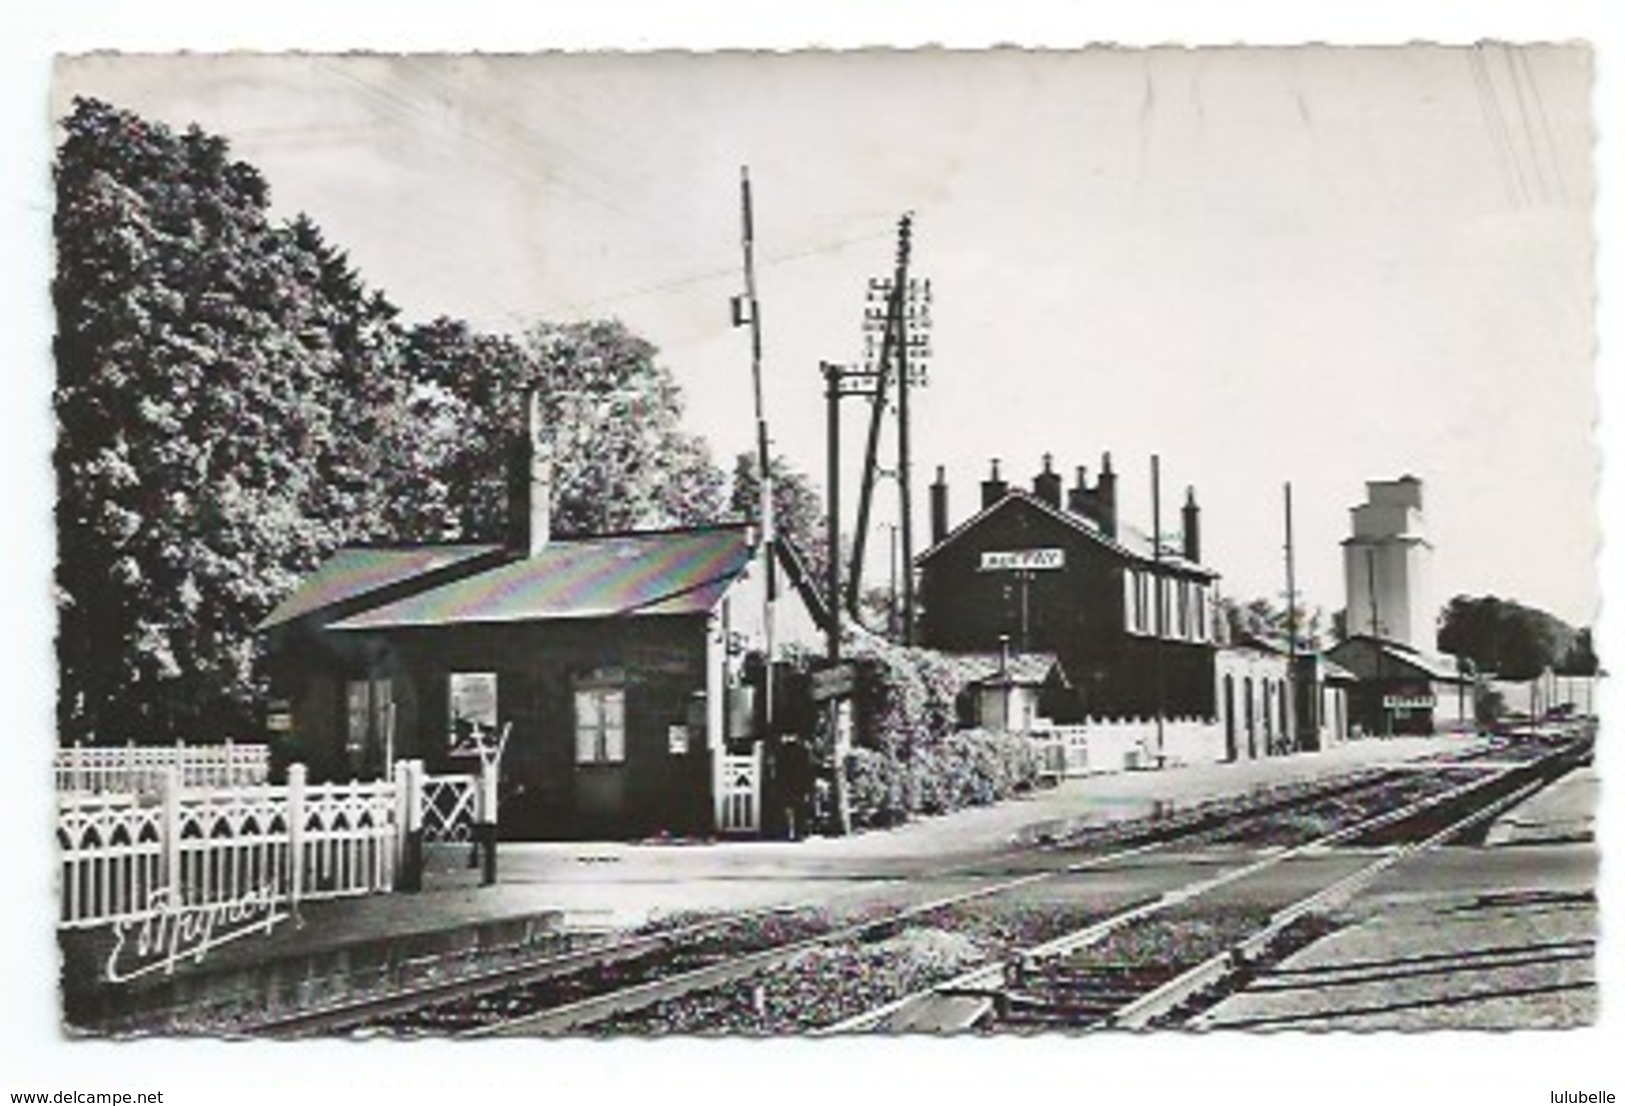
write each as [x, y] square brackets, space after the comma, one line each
[600, 725]
[473, 707]
[1136, 608]
[367, 708]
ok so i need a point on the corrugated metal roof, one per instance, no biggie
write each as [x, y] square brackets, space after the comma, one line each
[668, 572]
[352, 573]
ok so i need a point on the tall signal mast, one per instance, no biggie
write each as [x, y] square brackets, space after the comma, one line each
[747, 310]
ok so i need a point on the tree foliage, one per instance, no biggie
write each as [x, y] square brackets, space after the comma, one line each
[1261, 618]
[1506, 638]
[233, 402]
[798, 509]
[613, 414]
[223, 405]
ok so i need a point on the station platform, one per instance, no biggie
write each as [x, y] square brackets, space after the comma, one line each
[1502, 937]
[545, 889]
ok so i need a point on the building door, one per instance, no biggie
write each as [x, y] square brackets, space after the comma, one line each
[1230, 752]
[600, 758]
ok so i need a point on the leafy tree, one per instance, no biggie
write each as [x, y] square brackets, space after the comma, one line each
[1504, 637]
[1339, 629]
[622, 459]
[212, 446]
[1581, 658]
[798, 509]
[1263, 619]
[233, 403]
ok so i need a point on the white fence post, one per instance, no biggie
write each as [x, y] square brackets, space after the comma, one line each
[170, 834]
[409, 825]
[485, 820]
[296, 833]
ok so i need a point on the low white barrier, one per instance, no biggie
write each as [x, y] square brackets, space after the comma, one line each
[123, 768]
[1118, 744]
[128, 855]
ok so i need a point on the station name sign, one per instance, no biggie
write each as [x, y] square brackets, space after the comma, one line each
[1022, 560]
[1407, 702]
[833, 683]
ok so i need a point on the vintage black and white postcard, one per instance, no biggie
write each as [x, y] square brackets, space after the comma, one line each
[969, 543]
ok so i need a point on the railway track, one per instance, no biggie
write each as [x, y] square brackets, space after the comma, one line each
[946, 949]
[995, 947]
[601, 964]
[1161, 964]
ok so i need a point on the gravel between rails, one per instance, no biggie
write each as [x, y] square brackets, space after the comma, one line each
[822, 986]
[477, 1010]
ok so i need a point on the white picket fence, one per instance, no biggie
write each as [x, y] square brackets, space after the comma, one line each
[123, 854]
[1063, 751]
[1119, 744]
[126, 768]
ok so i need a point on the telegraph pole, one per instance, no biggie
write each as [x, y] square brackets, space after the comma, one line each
[753, 315]
[903, 323]
[832, 525]
[891, 336]
[1156, 580]
[1291, 629]
[1376, 633]
[905, 498]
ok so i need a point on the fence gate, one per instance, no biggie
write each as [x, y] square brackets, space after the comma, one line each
[741, 800]
[448, 808]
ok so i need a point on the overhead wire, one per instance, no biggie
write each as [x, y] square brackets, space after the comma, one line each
[410, 111]
[1516, 188]
[1510, 58]
[1545, 126]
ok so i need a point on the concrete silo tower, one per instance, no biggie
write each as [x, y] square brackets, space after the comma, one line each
[1387, 566]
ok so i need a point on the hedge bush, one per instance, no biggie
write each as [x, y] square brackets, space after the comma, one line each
[968, 768]
[912, 757]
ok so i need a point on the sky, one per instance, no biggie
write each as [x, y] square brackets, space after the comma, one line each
[1316, 265]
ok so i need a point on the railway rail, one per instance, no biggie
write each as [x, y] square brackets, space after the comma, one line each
[1162, 964]
[1021, 940]
[599, 964]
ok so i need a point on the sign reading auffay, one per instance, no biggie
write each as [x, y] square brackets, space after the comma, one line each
[1022, 560]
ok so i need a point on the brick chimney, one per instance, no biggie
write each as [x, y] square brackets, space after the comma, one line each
[1192, 530]
[939, 507]
[1077, 496]
[1047, 484]
[530, 483]
[1106, 497]
[993, 488]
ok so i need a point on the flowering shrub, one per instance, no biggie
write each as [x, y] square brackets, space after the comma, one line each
[967, 768]
[912, 757]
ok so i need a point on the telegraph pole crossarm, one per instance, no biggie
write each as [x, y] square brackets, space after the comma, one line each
[891, 336]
